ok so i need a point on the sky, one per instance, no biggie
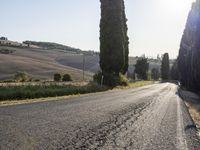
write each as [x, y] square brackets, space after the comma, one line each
[155, 26]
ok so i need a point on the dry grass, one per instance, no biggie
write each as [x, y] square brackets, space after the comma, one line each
[192, 101]
[16, 102]
[195, 114]
[135, 84]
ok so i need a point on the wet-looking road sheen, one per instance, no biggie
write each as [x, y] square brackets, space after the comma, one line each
[147, 118]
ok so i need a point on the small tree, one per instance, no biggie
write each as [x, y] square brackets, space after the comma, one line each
[21, 76]
[66, 77]
[165, 67]
[141, 68]
[57, 77]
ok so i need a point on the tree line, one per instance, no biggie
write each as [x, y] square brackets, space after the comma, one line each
[166, 72]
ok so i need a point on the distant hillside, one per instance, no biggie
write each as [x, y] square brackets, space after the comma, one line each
[38, 63]
[42, 64]
[50, 45]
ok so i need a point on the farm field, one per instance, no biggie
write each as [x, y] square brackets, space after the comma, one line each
[44, 63]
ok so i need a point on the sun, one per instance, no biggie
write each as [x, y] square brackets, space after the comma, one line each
[178, 6]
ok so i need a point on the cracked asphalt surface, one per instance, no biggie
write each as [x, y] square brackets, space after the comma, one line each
[147, 118]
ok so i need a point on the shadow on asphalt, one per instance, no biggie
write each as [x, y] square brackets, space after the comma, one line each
[190, 127]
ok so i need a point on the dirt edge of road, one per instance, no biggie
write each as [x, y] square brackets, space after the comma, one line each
[192, 102]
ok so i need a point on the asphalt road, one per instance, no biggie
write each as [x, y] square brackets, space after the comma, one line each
[147, 118]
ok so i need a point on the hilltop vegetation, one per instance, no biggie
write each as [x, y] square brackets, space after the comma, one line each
[51, 45]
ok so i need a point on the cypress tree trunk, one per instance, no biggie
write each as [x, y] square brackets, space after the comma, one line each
[113, 37]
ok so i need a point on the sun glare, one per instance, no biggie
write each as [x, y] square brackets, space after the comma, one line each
[180, 6]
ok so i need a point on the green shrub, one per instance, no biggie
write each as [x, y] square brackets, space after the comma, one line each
[57, 77]
[110, 79]
[66, 77]
[21, 77]
[97, 77]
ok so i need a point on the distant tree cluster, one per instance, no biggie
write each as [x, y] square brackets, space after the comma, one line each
[50, 45]
[189, 53]
[3, 38]
[114, 49]
[141, 68]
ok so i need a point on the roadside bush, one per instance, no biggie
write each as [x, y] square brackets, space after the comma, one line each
[6, 51]
[110, 79]
[39, 91]
[66, 77]
[97, 77]
[57, 77]
[21, 77]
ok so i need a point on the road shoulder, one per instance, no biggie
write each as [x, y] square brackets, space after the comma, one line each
[192, 102]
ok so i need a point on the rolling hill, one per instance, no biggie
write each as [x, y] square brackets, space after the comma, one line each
[42, 63]
[38, 63]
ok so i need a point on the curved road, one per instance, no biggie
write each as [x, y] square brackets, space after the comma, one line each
[147, 118]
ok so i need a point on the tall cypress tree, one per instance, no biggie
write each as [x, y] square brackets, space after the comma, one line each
[113, 37]
[189, 53]
[165, 67]
[126, 41]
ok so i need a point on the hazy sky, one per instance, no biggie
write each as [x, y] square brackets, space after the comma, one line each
[155, 26]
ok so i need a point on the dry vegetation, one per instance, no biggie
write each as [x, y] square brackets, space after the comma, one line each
[195, 113]
[193, 103]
